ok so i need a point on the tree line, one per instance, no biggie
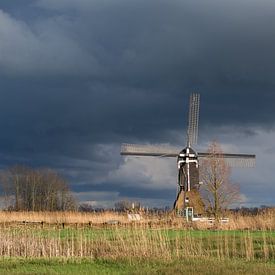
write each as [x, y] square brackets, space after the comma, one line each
[29, 189]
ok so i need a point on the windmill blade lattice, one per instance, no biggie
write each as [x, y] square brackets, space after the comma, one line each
[193, 121]
[148, 150]
[234, 160]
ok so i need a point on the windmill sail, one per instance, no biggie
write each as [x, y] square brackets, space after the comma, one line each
[193, 121]
[148, 150]
[234, 160]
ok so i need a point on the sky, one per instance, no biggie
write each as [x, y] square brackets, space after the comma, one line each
[80, 77]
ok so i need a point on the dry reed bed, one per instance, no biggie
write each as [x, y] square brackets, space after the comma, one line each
[264, 221]
[60, 217]
[154, 237]
[135, 243]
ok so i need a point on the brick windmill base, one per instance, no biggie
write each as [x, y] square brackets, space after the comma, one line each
[192, 199]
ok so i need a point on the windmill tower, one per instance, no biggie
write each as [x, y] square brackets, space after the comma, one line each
[188, 159]
[188, 163]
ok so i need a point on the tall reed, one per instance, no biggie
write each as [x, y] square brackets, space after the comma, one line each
[135, 243]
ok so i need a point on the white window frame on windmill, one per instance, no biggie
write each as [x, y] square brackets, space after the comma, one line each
[188, 210]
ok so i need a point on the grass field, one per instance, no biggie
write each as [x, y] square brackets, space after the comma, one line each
[134, 248]
[184, 266]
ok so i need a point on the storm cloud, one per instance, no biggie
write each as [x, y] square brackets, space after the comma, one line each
[78, 78]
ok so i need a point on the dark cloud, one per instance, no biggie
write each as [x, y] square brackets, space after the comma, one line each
[80, 77]
[129, 191]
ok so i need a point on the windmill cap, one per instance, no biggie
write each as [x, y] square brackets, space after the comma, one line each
[191, 151]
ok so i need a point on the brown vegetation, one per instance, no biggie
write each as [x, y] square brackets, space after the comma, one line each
[262, 221]
[134, 243]
[89, 235]
[60, 217]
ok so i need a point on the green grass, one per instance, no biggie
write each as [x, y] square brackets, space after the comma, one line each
[108, 233]
[185, 266]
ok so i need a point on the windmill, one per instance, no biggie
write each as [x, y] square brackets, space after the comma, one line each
[188, 160]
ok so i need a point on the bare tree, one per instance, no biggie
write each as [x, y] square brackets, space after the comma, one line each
[123, 205]
[126, 205]
[218, 191]
[36, 189]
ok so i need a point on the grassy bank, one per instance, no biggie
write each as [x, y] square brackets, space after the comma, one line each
[184, 266]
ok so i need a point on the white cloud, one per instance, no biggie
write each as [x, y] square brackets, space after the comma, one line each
[146, 172]
[98, 198]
